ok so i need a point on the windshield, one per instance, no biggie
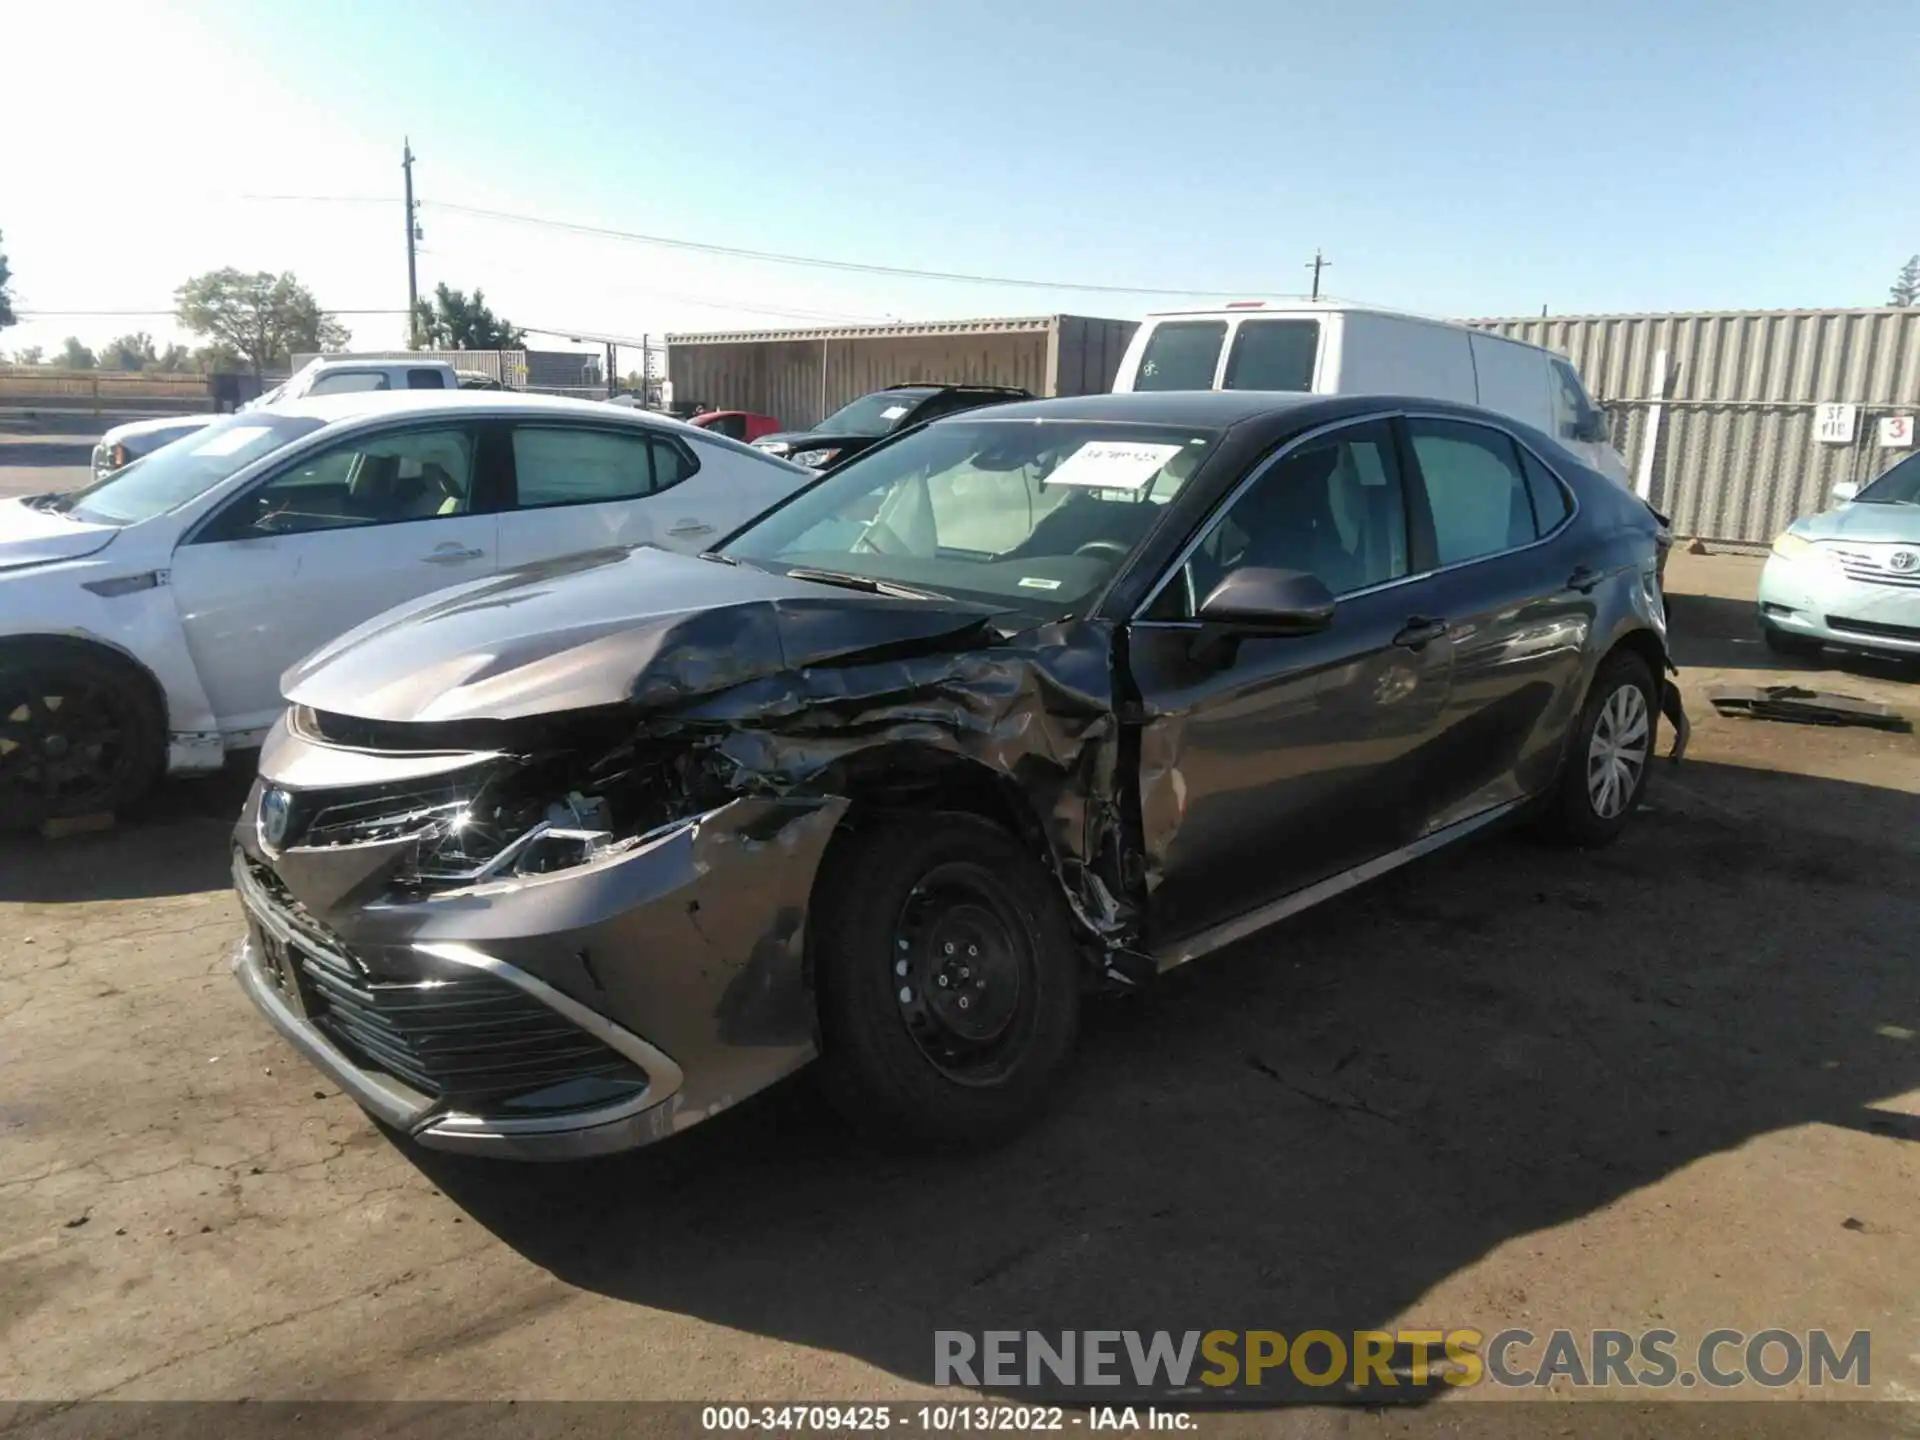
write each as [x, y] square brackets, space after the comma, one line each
[1899, 486]
[872, 414]
[1018, 514]
[189, 467]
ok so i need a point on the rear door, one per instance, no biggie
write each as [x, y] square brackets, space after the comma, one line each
[1299, 758]
[582, 487]
[1515, 611]
[329, 541]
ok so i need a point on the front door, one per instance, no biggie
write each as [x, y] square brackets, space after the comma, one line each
[316, 549]
[1297, 758]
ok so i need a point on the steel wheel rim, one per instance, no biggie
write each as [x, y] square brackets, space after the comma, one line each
[1617, 753]
[61, 743]
[965, 976]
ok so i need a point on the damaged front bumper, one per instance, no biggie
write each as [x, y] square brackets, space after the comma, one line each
[544, 1017]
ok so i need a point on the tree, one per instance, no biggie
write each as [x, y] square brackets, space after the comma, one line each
[171, 360]
[264, 319]
[128, 352]
[6, 299]
[29, 355]
[452, 321]
[219, 356]
[73, 355]
[1906, 285]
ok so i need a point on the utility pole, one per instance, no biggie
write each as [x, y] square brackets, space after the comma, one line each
[1318, 264]
[413, 236]
[613, 378]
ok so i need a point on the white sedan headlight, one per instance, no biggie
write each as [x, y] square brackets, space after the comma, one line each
[1797, 547]
[817, 459]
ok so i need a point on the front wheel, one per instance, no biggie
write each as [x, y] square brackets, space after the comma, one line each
[947, 978]
[1606, 770]
[78, 734]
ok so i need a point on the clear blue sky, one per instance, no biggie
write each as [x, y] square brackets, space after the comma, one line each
[1459, 157]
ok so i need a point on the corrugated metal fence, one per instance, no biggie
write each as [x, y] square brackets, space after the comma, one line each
[1727, 402]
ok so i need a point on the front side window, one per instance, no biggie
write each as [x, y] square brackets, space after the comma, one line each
[387, 479]
[1475, 489]
[350, 381]
[1181, 355]
[1016, 514]
[1575, 414]
[187, 468]
[555, 465]
[1273, 355]
[1334, 508]
[1898, 486]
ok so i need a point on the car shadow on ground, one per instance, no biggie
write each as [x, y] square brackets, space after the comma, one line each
[1713, 632]
[172, 842]
[1315, 1129]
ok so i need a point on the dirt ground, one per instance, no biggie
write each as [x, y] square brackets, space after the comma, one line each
[1673, 1084]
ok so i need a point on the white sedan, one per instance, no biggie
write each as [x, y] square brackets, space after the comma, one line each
[145, 621]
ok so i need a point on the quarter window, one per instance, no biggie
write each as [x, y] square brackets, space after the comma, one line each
[426, 380]
[1475, 489]
[1550, 507]
[346, 382]
[1180, 355]
[1334, 508]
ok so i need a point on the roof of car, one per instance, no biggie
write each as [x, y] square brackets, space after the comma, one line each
[1212, 409]
[358, 404]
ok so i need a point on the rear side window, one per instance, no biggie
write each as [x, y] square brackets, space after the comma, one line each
[348, 381]
[559, 466]
[1475, 489]
[1550, 505]
[1273, 355]
[426, 380]
[1181, 355]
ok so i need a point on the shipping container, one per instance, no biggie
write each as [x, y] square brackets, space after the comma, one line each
[1715, 411]
[802, 376]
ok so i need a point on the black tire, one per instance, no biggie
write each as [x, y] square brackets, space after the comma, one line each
[79, 733]
[1580, 810]
[1785, 642]
[915, 894]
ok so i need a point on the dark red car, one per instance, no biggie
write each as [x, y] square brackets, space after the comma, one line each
[742, 425]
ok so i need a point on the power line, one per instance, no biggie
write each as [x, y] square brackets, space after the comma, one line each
[136, 314]
[775, 257]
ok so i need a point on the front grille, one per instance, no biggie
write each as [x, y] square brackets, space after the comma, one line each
[1875, 564]
[459, 1035]
[1876, 628]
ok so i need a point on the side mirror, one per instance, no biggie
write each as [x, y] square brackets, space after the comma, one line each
[1845, 491]
[1254, 601]
[1591, 428]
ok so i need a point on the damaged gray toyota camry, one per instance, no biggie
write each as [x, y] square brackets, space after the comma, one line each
[1024, 703]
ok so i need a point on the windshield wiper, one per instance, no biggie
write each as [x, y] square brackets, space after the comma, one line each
[863, 582]
[717, 558]
[51, 503]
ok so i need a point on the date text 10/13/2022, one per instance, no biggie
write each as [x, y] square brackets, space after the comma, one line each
[939, 1419]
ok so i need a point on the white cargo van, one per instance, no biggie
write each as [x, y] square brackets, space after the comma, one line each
[1325, 348]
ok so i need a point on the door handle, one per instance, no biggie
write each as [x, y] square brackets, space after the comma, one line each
[1584, 578]
[1420, 631]
[451, 554]
[691, 527]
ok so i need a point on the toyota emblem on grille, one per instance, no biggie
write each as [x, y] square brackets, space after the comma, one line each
[275, 808]
[1903, 560]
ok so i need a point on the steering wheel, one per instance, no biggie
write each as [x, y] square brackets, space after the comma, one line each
[1103, 547]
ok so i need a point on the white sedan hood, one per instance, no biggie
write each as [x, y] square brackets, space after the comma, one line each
[31, 536]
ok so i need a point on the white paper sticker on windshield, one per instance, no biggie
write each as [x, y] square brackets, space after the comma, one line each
[1113, 464]
[893, 412]
[1034, 582]
[228, 441]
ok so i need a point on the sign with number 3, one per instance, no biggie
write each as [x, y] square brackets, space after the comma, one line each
[1896, 432]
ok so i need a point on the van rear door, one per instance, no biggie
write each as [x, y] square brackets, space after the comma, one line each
[1513, 381]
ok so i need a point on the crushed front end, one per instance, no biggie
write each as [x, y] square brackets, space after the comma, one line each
[546, 939]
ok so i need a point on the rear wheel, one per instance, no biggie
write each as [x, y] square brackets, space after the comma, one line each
[1785, 642]
[79, 734]
[947, 978]
[1606, 771]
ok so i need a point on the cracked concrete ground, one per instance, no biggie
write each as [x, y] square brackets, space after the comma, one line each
[1675, 1083]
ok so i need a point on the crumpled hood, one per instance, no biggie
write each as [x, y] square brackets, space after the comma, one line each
[1864, 522]
[645, 627]
[40, 537]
